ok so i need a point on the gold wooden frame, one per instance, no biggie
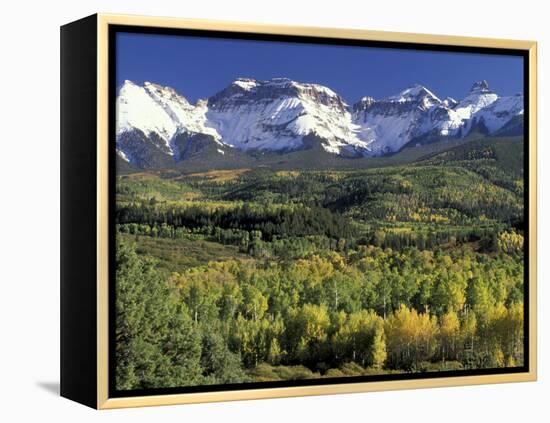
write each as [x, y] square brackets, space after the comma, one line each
[103, 22]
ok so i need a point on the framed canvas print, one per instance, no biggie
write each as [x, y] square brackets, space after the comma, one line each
[254, 211]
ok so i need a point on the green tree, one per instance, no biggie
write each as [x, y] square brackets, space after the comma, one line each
[361, 339]
[157, 344]
[219, 364]
[307, 332]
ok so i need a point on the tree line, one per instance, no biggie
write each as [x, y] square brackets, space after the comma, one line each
[272, 222]
[256, 243]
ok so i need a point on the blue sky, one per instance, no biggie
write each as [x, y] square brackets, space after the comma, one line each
[199, 67]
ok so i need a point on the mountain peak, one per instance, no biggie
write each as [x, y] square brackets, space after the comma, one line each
[280, 80]
[480, 96]
[414, 92]
[246, 84]
[363, 104]
[450, 102]
[245, 90]
[276, 114]
[164, 94]
[367, 100]
[480, 87]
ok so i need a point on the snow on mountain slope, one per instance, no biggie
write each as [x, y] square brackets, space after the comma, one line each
[137, 109]
[388, 124]
[480, 96]
[159, 113]
[450, 102]
[186, 116]
[277, 114]
[499, 112]
[417, 94]
[155, 122]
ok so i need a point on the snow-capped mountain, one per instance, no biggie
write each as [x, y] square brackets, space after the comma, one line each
[156, 126]
[499, 112]
[150, 117]
[390, 123]
[479, 97]
[277, 114]
[416, 112]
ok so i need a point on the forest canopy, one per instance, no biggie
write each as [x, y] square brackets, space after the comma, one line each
[263, 275]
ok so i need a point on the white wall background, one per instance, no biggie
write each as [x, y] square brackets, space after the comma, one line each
[29, 210]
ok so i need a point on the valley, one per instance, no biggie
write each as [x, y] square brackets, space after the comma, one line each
[303, 263]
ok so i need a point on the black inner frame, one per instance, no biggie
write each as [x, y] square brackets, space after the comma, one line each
[112, 54]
